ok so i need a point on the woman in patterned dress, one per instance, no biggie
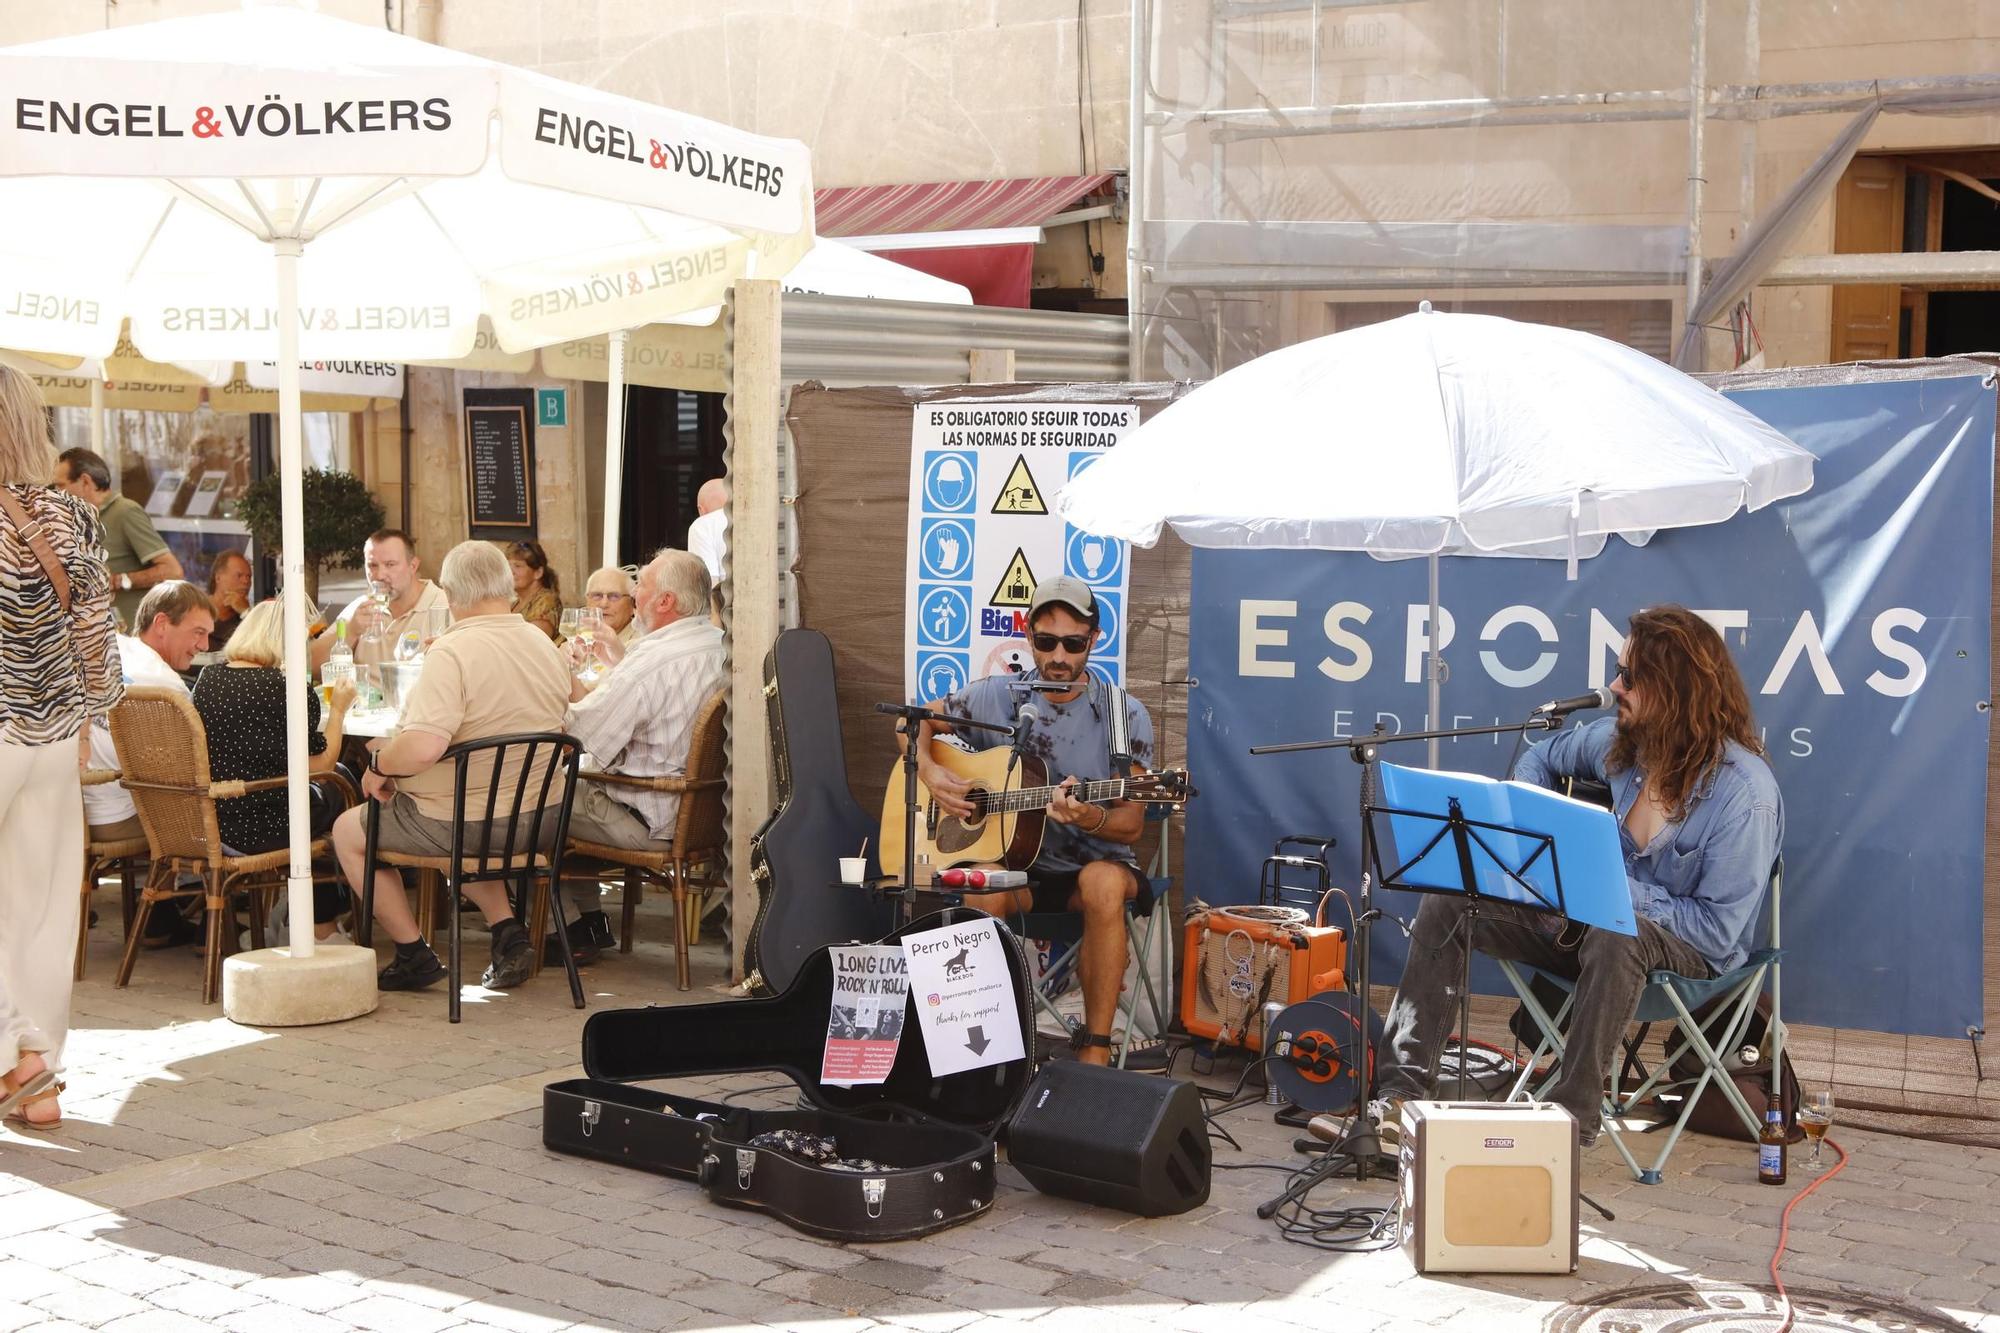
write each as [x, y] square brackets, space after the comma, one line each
[58, 669]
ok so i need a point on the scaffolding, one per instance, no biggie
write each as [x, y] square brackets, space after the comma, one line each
[1298, 166]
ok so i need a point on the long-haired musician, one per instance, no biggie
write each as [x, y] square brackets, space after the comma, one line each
[1086, 863]
[1700, 821]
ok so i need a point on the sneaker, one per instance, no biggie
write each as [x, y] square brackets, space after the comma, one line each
[511, 965]
[411, 971]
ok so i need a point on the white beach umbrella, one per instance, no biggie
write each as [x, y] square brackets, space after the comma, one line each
[1438, 434]
[271, 185]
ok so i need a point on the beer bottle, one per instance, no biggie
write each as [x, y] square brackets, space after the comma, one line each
[1771, 1148]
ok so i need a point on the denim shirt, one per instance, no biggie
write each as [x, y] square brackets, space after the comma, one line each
[1702, 879]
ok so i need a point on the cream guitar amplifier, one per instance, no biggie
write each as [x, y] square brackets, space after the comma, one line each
[1489, 1187]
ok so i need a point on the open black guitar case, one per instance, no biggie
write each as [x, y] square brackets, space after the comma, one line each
[794, 857]
[929, 1140]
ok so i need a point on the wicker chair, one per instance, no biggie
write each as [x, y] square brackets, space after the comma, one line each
[698, 841]
[163, 749]
[124, 856]
[525, 808]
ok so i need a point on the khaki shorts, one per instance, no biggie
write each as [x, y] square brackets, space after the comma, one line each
[408, 830]
[596, 816]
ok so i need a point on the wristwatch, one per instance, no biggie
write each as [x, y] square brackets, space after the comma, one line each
[124, 583]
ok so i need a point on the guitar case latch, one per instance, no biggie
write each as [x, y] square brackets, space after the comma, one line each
[871, 1195]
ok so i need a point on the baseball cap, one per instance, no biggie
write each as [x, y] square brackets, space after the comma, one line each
[1063, 589]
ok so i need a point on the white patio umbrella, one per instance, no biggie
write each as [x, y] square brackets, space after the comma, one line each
[1438, 434]
[271, 185]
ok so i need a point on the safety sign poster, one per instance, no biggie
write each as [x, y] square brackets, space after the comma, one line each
[983, 531]
[966, 1005]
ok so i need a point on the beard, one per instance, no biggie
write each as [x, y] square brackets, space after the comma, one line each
[1060, 670]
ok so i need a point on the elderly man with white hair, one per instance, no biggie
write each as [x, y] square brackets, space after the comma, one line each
[639, 718]
[609, 592]
[490, 674]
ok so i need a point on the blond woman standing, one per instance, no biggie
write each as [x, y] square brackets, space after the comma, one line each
[58, 669]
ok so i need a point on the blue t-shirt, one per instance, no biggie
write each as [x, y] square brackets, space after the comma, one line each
[1069, 740]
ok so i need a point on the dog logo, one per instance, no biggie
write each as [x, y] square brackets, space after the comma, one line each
[955, 968]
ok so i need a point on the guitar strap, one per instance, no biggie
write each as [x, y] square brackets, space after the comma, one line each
[1121, 748]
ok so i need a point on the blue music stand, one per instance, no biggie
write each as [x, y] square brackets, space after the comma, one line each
[1492, 841]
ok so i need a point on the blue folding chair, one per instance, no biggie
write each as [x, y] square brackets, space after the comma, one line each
[1729, 1003]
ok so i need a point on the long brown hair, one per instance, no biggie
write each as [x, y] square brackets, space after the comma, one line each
[1694, 703]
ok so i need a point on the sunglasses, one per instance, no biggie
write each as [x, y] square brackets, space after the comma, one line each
[1623, 673]
[1071, 643]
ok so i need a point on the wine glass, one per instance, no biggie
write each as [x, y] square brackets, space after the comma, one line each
[379, 595]
[410, 646]
[567, 625]
[433, 623]
[589, 620]
[1815, 1118]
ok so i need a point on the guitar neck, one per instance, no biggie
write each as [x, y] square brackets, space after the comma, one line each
[1034, 798]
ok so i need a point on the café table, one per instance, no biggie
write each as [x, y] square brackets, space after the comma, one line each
[371, 723]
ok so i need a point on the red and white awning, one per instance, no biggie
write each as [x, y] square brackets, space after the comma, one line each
[871, 210]
[898, 222]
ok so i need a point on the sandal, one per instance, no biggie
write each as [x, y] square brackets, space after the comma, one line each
[33, 1086]
[19, 1115]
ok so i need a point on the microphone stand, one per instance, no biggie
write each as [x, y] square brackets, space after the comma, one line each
[914, 716]
[1363, 1145]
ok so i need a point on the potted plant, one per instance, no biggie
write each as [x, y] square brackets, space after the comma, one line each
[339, 515]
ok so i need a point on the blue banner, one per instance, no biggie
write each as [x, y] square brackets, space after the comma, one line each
[1859, 613]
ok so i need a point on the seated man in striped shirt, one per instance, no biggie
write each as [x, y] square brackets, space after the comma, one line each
[639, 718]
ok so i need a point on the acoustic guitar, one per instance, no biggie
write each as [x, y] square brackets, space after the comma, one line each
[1009, 801]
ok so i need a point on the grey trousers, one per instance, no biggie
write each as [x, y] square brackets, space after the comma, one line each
[1609, 969]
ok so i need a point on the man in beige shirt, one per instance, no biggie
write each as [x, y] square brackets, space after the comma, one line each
[391, 560]
[490, 674]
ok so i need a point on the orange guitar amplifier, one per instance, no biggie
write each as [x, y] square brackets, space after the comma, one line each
[1238, 959]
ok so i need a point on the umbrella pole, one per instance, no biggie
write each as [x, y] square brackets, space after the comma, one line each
[97, 419]
[1434, 667]
[291, 492]
[301, 984]
[614, 449]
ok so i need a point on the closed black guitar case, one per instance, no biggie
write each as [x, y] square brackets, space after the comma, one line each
[794, 857]
[930, 1140]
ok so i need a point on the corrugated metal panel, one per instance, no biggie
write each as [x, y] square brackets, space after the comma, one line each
[844, 341]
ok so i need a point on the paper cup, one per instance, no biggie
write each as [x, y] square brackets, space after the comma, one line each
[853, 869]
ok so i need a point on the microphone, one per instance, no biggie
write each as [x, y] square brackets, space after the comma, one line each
[1025, 716]
[1597, 698]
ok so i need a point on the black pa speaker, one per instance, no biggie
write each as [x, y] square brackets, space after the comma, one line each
[1135, 1142]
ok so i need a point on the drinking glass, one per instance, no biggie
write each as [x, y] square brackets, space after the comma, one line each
[433, 623]
[589, 620]
[567, 625]
[379, 594]
[1815, 1118]
[409, 646]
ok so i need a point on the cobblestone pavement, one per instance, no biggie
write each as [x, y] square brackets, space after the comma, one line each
[388, 1174]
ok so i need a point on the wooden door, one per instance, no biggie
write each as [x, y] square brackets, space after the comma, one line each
[1868, 219]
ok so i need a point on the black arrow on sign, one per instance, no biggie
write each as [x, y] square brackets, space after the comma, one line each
[975, 1040]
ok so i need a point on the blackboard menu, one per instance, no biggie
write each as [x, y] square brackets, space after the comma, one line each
[500, 463]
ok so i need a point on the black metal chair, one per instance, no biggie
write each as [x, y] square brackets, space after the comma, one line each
[524, 806]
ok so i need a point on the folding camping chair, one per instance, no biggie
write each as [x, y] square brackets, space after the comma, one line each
[1729, 1003]
[1064, 933]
